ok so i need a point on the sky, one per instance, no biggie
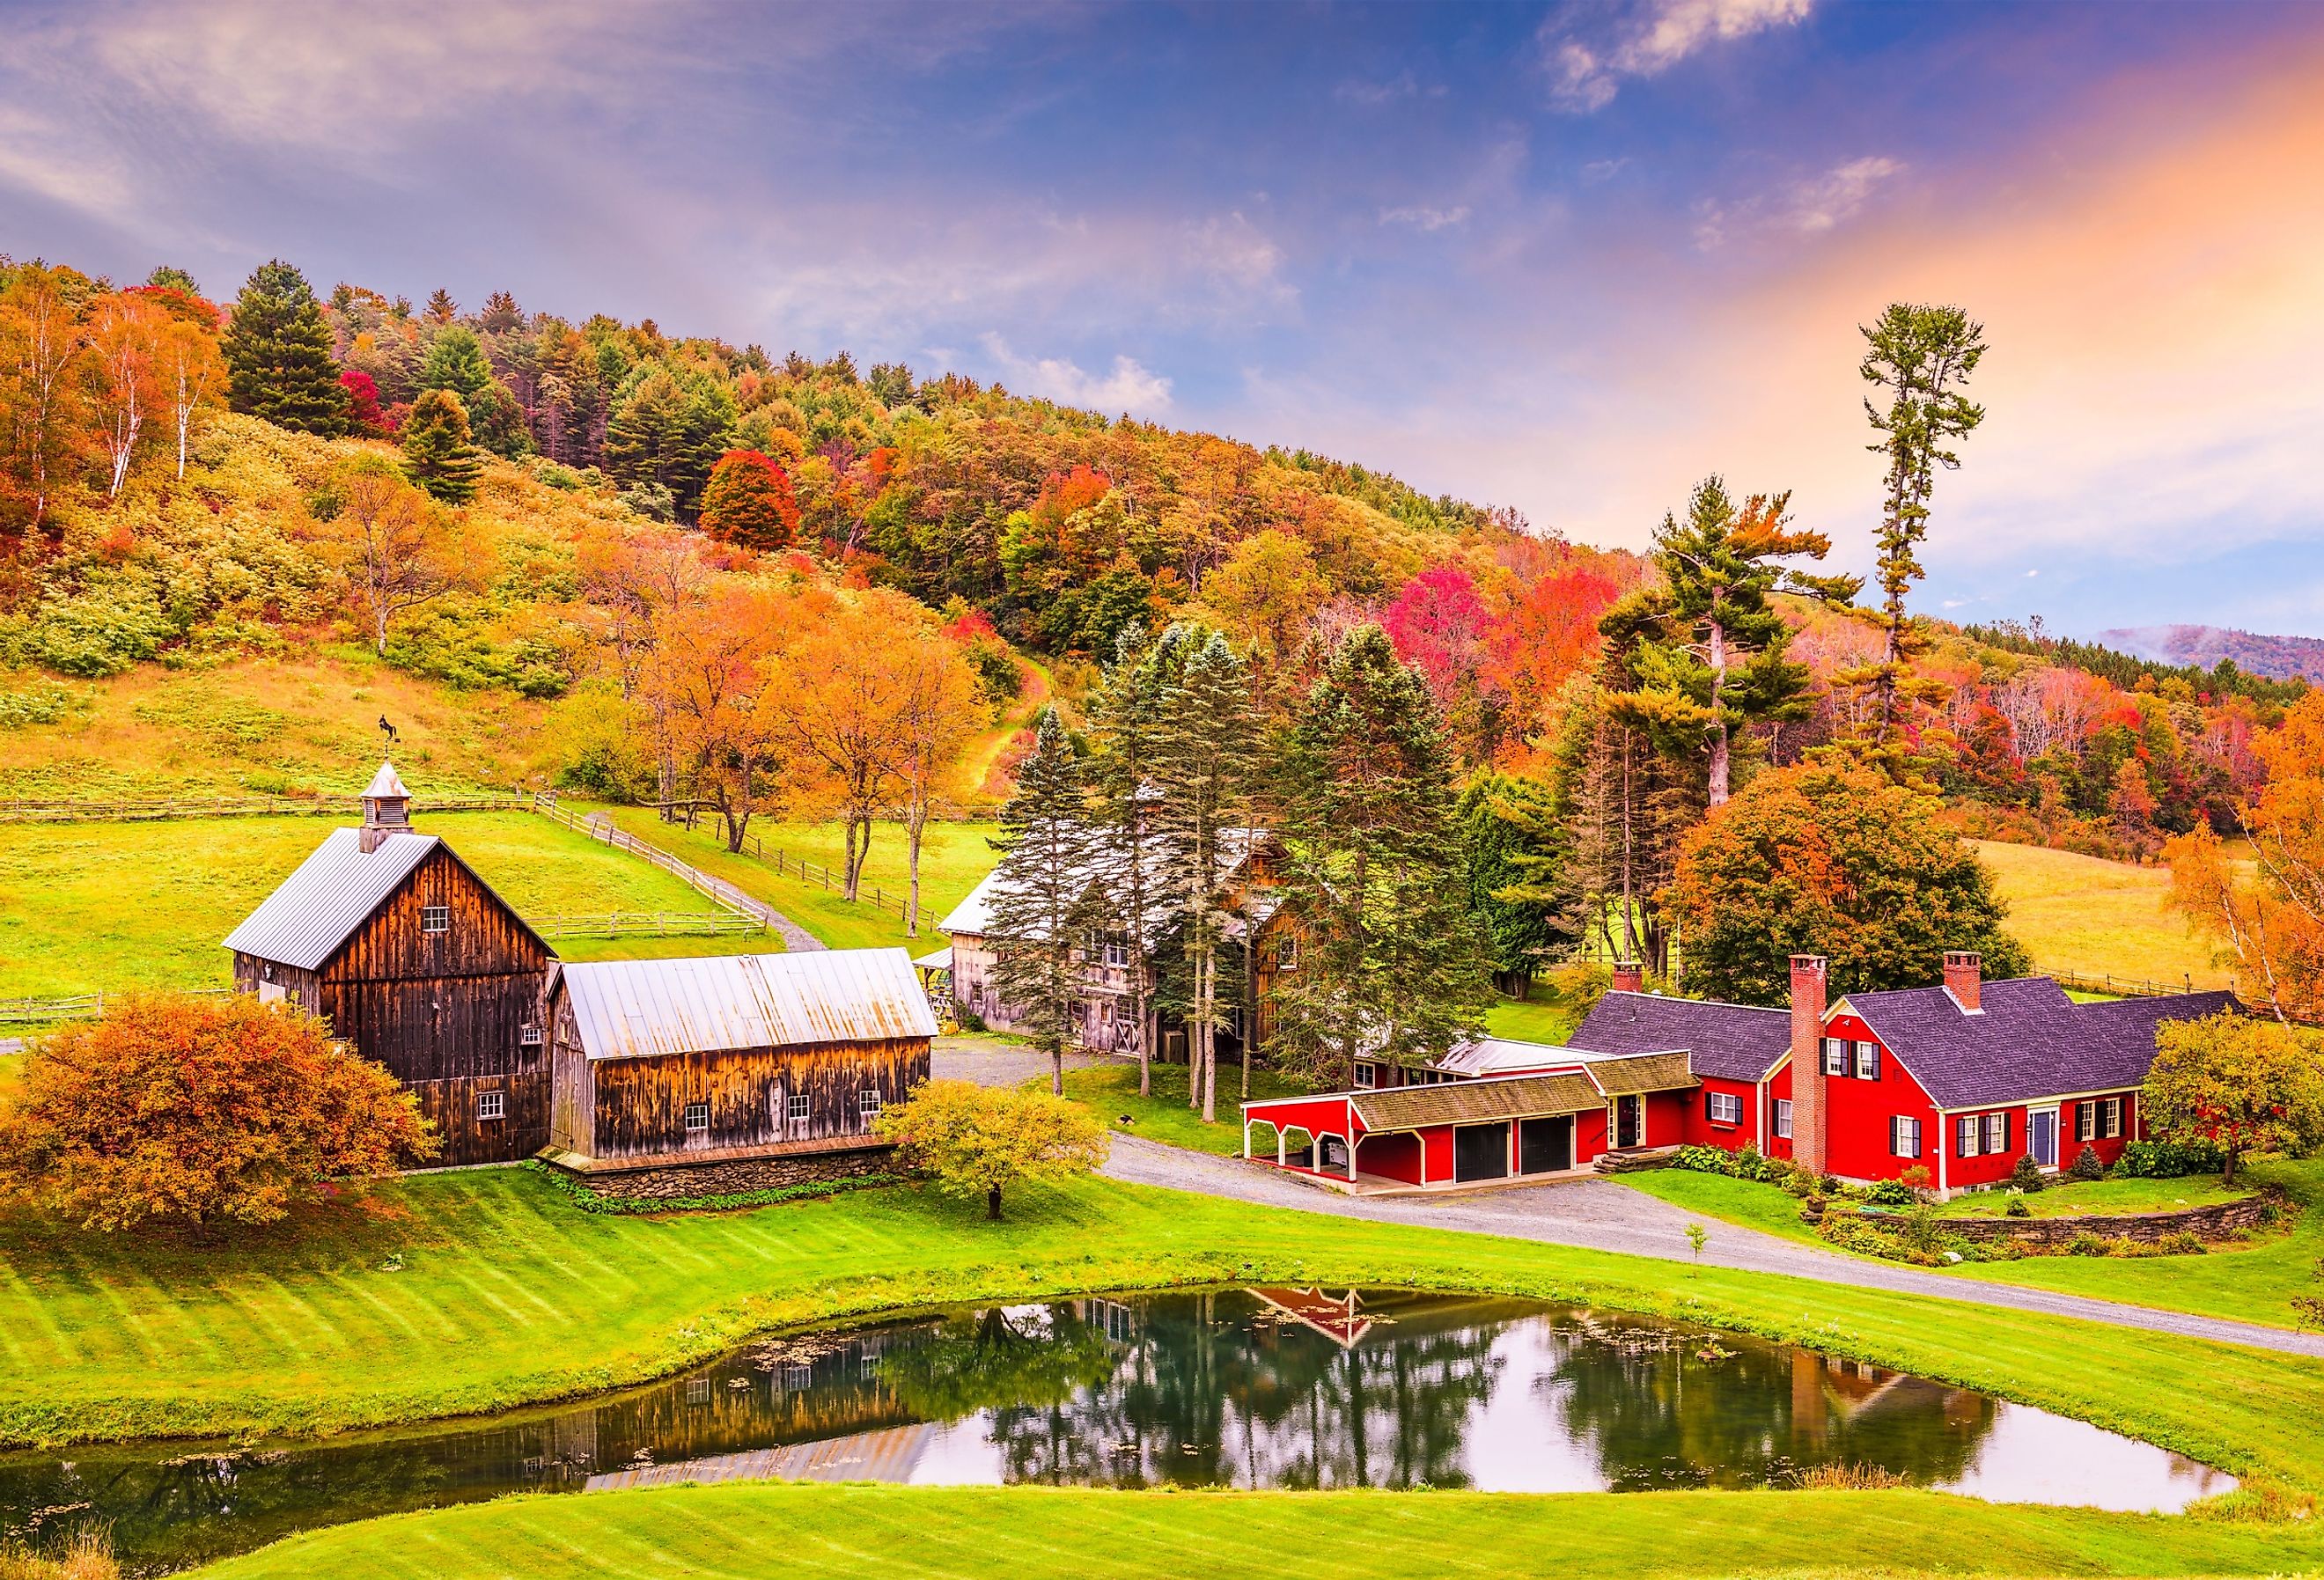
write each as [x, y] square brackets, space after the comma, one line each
[1570, 258]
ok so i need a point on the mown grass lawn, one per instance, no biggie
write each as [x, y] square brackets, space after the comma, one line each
[2093, 918]
[1110, 1091]
[1539, 1019]
[955, 1533]
[478, 1291]
[91, 906]
[953, 858]
[2250, 1282]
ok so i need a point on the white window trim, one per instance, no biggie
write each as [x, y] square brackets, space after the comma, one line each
[1367, 1074]
[1835, 1056]
[2109, 1118]
[434, 919]
[1783, 1118]
[686, 1118]
[530, 1037]
[492, 1105]
[1896, 1124]
[1725, 1107]
[868, 1103]
[1866, 1062]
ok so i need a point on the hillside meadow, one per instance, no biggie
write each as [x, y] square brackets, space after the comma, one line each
[2093, 918]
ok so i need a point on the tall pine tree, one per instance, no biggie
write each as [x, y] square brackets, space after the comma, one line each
[437, 453]
[1042, 906]
[278, 354]
[1391, 966]
[1124, 719]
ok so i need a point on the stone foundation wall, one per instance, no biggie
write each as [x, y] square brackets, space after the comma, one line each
[737, 1176]
[2212, 1223]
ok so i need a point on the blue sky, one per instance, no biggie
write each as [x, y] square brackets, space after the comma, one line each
[1568, 257]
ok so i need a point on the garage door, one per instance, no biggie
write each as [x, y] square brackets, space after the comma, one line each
[1481, 1151]
[1545, 1146]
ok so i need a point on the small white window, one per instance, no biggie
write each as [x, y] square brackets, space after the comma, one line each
[1367, 1076]
[698, 1391]
[868, 1104]
[1996, 1132]
[1835, 1056]
[797, 1108]
[529, 1037]
[1723, 1107]
[434, 919]
[1903, 1137]
[1868, 1061]
[1784, 1117]
[2086, 1121]
[492, 1105]
[698, 1116]
[1116, 953]
[2111, 1118]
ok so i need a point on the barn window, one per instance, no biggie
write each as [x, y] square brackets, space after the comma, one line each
[529, 1037]
[1723, 1107]
[698, 1116]
[1784, 1117]
[868, 1104]
[434, 919]
[799, 1108]
[492, 1105]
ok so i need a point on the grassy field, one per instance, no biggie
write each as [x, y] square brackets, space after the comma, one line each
[2077, 913]
[1534, 1020]
[2254, 1282]
[957, 1533]
[478, 1291]
[88, 906]
[953, 858]
[1110, 1091]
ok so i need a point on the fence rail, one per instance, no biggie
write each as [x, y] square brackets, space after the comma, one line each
[800, 867]
[599, 826]
[660, 924]
[140, 811]
[77, 1006]
[2126, 987]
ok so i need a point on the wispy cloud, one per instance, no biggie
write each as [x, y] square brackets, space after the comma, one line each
[1588, 59]
[1423, 218]
[1404, 85]
[1130, 386]
[1804, 207]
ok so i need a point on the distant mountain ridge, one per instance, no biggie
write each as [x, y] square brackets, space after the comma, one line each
[2283, 658]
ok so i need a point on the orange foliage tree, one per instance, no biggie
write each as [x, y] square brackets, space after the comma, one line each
[2270, 920]
[714, 682]
[748, 503]
[206, 1110]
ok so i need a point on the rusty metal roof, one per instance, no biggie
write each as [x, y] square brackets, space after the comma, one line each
[641, 1009]
[1476, 1101]
[304, 922]
[1641, 1072]
[387, 782]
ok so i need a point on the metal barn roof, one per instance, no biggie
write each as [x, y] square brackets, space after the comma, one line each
[387, 782]
[641, 1009]
[304, 922]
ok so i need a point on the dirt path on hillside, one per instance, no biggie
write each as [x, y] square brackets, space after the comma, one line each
[1599, 1215]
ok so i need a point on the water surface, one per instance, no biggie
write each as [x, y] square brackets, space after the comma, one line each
[1244, 1387]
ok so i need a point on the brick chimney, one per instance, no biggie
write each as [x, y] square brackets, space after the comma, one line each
[387, 808]
[1809, 975]
[1964, 979]
[1629, 976]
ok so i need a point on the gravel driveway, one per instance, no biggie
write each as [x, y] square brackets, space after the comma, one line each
[1599, 1215]
[991, 1063]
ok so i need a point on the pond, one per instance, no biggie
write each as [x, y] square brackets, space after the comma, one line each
[1244, 1387]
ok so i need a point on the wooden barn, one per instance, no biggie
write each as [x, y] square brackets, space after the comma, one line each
[413, 959]
[735, 1073]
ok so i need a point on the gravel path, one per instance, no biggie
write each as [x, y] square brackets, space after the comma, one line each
[989, 1063]
[1599, 1215]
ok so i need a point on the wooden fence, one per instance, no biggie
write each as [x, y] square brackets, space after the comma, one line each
[805, 870]
[77, 1006]
[599, 826]
[142, 811]
[2122, 987]
[658, 924]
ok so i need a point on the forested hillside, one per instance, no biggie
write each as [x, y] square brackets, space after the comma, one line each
[2282, 657]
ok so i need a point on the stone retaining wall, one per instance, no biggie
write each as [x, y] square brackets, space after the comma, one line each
[736, 1176]
[2212, 1223]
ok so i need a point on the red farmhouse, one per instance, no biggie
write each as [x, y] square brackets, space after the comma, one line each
[1961, 1079]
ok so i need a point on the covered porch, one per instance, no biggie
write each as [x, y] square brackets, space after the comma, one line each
[1462, 1135]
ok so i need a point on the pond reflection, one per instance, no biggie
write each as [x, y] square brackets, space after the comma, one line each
[1257, 1388]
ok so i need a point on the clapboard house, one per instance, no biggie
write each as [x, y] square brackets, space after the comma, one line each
[729, 1074]
[414, 960]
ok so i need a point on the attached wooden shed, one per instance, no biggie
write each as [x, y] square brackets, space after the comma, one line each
[734, 1073]
[419, 965]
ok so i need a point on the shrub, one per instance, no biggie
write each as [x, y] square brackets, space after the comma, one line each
[85, 1555]
[2168, 1160]
[1704, 1160]
[2088, 1243]
[203, 1109]
[2027, 1175]
[2086, 1165]
[2018, 1207]
[974, 1140]
[1891, 1193]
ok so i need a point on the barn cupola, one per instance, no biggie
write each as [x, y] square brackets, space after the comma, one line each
[387, 808]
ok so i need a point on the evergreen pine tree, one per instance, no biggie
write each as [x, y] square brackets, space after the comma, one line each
[1041, 907]
[441, 308]
[278, 354]
[1514, 844]
[1124, 717]
[1391, 966]
[1203, 773]
[1705, 646]
[457, 362]
[437, 452]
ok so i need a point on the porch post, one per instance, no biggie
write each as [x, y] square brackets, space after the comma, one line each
[1282, 1146]
[1422, 1137]
[1351, 1154]
[1246, 1137]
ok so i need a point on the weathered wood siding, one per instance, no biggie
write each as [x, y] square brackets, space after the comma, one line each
[445, 1012]
[304, 988]
[640, 1103]
[572, 1124]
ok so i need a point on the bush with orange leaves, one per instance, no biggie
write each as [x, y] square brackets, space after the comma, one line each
[208, 1110]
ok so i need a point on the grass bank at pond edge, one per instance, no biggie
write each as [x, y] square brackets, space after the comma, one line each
[478, 1291]
[2244, 1282]
[795, 1530]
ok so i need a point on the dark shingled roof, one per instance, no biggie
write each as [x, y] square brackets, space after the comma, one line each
[2030, 1040]
[1734, 1042]
[1644, 1072]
